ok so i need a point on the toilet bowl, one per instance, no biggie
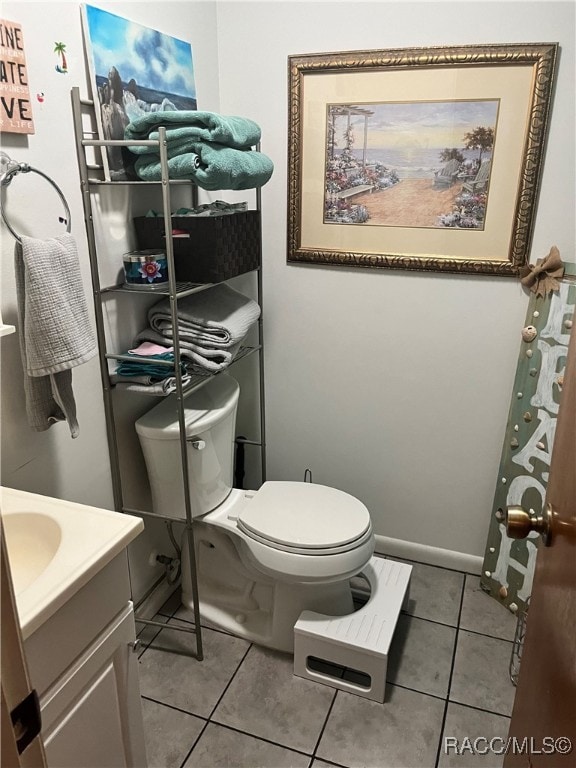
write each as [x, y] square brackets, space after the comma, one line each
[264, 556]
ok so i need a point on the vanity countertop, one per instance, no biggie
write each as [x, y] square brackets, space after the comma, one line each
[55, 548]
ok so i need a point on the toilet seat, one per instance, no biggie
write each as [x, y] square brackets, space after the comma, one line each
[305, 519]
[292, 562]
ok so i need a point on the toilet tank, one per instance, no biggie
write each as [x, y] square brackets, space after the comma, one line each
[210, 415]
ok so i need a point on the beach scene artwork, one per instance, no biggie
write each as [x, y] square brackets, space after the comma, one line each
[410, 164]
[133, 70]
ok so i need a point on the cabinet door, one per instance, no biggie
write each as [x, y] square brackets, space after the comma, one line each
[92, 716]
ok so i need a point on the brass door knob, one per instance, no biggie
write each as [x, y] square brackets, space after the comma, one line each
[519, 523]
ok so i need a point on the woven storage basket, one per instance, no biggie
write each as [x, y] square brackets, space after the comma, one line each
[219, 247]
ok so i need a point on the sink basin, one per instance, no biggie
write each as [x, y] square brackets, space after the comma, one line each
[55, 548]
[32, 541]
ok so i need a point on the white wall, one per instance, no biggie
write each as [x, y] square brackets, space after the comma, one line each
[51, 462]
[392, 386]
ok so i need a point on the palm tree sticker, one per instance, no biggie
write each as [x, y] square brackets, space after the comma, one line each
[60, 49]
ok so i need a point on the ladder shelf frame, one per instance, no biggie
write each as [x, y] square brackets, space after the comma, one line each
[175, 291]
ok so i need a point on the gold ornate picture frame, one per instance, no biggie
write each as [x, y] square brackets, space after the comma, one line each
[418, 158]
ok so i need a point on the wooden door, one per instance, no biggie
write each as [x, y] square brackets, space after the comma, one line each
[543, 727]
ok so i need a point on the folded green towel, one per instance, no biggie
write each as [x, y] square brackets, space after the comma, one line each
[178, 145]
[142, 369]
[212, 167]
[185, 126]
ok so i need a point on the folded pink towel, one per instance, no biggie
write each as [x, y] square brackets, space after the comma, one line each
[147, 348]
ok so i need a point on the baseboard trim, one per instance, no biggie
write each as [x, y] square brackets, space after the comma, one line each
[422, 553]
[150, 607]
[406, 550]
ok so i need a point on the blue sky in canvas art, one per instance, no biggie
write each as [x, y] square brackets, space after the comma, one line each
[155, 61]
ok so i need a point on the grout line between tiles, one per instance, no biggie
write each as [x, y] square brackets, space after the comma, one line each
[171, 706]
[319, 739]
[447, 699]
[171, 615]
[193, 747]
[414, 690]
[429, 565]
[479, 709]
[432, 621]
[453, 626]
[171, 626]
[166, 616]
[328, 762]
[177, 709]
[260, 738]
[205, 626]
[484, 634]
[149, 643]
[188, 621]
[215, 706]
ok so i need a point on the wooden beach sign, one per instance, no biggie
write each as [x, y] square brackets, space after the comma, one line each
[508, 567]
[15, 104]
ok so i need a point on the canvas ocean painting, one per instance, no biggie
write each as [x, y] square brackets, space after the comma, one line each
[133, 69]
[410, 164]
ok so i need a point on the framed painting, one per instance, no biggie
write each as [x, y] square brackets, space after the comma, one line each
[133, 69]
[419, 158]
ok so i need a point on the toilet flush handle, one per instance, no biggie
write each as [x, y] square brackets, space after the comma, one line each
[196, 443]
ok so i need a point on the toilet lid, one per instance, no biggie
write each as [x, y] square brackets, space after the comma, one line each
[304, 516]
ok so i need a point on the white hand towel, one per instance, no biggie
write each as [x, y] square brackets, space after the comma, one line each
[53, 326]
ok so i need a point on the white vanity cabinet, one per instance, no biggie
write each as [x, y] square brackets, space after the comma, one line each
[91, 716]
[83, 666]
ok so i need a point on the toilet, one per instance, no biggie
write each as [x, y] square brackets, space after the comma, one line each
[262, 557]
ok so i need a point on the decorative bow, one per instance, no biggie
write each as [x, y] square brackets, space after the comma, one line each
[543, 278]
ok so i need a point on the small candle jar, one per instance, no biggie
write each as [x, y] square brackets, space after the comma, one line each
[146, 270]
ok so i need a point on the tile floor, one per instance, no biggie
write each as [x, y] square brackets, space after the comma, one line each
[242, 707]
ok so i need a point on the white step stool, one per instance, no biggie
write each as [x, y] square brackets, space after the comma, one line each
[359, 641]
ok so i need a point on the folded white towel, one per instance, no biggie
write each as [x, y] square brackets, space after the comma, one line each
[147, 385]
[53, 326]
[218, 317]
[197, 357]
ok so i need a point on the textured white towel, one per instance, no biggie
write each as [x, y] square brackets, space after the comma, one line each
[218, 317]
[198, 357]
[53, 327]
[147, 385]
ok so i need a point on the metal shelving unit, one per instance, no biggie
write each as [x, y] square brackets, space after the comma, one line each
[176, 290]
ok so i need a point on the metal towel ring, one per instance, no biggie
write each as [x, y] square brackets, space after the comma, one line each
[12, 169]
